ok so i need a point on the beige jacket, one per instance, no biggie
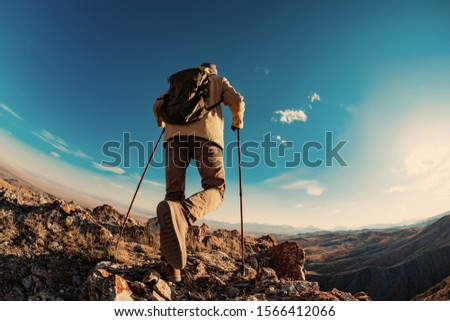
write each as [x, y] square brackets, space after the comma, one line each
[211, 126]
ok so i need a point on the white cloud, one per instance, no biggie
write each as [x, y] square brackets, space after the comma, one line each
[351, 109]
[10, 111]
[265, 70]
[153, 183]
[278, 179]
[299, 205]
[315, 97]
[60, 144]
[116, 185]
[426, 158]
[290, 115]
[312, 187]
[107, 168]
[79, 153]
[55, 154]
[395, 189]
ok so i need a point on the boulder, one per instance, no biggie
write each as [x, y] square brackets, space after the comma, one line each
[288, 260]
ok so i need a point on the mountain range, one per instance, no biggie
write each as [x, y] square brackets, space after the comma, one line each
[387, 265]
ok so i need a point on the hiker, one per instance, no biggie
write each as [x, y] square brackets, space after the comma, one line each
[201, 140]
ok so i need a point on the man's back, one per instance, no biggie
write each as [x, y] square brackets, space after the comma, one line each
[211, 126]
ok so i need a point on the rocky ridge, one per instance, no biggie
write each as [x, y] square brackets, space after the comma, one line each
[438, 292]
[55, 250]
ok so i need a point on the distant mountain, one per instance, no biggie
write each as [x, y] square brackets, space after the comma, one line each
[261, 229]
[388, 265]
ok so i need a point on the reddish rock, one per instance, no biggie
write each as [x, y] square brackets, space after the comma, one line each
[153, 231]
[163, 289]
[268, 239]
[267, 276]
[151, 276]
[361, 296]
[105, 286]
[198, 270]
[288, 260]
[199, 232]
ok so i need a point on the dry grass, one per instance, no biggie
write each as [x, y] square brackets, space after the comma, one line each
[5, 184]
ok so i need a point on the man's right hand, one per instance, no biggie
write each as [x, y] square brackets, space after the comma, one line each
[234, 128]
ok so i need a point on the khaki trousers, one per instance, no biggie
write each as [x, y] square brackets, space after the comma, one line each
[208, 157]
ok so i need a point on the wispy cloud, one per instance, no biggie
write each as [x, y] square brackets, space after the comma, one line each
[288, 116]
[10, 111]
[107, 168]
[299, 205]
[60, 144]
[351, 109]
[315, 97]
[312, 187]
[55, 154]
[264, 70]
[137, 177]
[395, 189]
[153, 183]
[116, 185]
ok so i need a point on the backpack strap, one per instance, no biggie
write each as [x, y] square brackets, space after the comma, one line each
[213, 106]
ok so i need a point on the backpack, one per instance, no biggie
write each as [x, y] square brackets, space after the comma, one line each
[186, 100]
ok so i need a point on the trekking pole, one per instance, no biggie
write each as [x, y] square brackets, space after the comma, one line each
[240, 199]
[139, 185]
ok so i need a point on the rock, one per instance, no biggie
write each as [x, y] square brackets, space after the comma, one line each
[28, 283]
[217, 281]
[267, 276]
[139, 288]
[233, 292]
[198, 233]
[153, 231]
[294, 287]
[361, 296]
[44, 296]
[249, 273]
[163, 289]
[103, 285]
[38, 270]
[343, 296]
[288, 260]
[269, 239]
[271, 290]
[198, 270]
[55, 246]
[256, 297]
[16, 294]
[68, 208]
[151, 276]
[154, 296]
[104, 234]
[121, 290]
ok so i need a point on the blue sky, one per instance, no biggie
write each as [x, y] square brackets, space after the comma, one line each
[77, 74]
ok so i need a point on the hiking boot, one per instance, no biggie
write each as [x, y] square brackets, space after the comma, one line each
[173, 229]
[171, 274]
